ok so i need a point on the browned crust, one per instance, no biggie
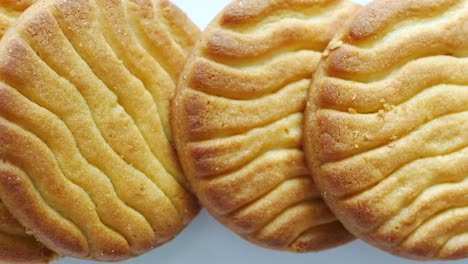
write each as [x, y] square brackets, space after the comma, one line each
[16, 246]
[385, 127]
[10, 10]
[237, 121]
[251, 12]
[380, 15]
[16, 5]
[15, 249]
[89, 168]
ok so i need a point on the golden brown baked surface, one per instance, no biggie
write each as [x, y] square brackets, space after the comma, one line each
[386, 127]
[10, 10]
[237, 121]
[16, 246]
[85, 144]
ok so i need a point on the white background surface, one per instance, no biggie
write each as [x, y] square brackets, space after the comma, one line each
[206, 241]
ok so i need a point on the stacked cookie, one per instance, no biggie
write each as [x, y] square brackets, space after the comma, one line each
[238, 121]
[87, 164]
[386, 127]
[16, 245]
[298, 124]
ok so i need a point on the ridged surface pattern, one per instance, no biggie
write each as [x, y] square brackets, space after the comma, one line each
[10, 10]
[15, 244]
[85, 144]
[387, 127]
[238, 121]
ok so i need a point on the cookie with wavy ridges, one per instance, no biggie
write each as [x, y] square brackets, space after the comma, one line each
[16, 246]
[85, 144]
[238, 121]
[386, 128]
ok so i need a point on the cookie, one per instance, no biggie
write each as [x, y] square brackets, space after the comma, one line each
[16, 245]
[237, 121]
[85, 143]
[386, 127]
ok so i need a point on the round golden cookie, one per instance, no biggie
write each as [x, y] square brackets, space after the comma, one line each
[237, 121]
[386, 127]
[85, 144]
[16, 246]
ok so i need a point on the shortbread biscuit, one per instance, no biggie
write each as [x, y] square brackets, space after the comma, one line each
[237, 121]
[386, 131]
[85, 144]
[16, 246]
